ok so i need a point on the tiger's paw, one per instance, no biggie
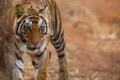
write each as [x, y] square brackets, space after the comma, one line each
[63, 76]
[18, 79]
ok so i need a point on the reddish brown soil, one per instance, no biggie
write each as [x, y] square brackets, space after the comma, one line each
[92, 37]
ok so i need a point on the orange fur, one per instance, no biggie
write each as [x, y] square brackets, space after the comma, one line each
[34, 37]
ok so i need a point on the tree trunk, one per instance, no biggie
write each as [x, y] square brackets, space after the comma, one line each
[6, 40]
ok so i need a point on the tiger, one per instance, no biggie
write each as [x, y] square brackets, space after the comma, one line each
[37, 24]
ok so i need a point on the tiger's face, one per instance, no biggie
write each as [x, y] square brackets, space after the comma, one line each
[33, 31]
[31, 27]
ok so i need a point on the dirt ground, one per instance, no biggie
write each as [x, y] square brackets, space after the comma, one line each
[92, 37]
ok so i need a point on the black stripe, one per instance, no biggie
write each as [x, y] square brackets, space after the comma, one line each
[57, 35]
[50, 55]
[58, 29]
[34, 63]
[18, 34]
[32, 49]
[19, 58]
[17, 47]
[45, 48]
[23, 40]
[56, 21]
[39, 55]
[59, 41]
[19, 26]
[61, 55]
[19, 68]
[56, 39]
[58, 45]
[61, 49]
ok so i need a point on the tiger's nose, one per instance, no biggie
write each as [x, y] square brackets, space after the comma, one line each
[35, 43]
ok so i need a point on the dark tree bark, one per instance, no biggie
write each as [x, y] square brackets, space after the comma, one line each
[6, 41]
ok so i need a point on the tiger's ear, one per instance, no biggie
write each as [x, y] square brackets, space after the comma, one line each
[19, 10]
[41, 10]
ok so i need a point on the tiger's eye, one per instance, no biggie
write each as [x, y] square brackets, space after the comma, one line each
[28, 26]
[42, 26]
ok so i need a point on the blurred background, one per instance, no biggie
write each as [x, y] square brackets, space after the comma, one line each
[92, 34]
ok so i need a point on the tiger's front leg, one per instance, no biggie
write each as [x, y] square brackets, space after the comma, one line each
[19, 64]
[59, 44]
[40, 62]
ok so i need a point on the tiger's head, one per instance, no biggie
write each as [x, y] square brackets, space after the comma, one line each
[32, 29]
